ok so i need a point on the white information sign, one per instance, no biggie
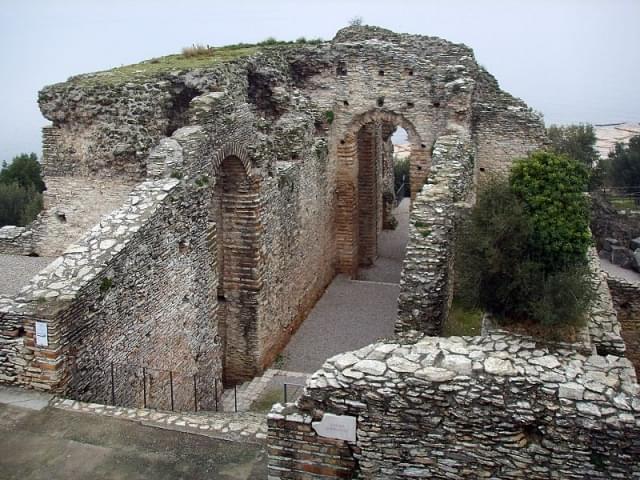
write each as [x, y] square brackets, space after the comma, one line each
[42, 334]
[342, 427]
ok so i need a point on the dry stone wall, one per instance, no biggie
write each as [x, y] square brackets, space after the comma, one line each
[464, 407]
[626, 299]
[427, 278]
[135, 291]
[16, 240]
[73, 205]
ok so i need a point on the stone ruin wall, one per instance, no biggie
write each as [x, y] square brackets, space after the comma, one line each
[426, 283]
[130, 292]
[269, 111]
[626, 299]
[16, 240]
[464, 407]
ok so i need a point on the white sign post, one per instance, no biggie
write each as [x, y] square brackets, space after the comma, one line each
[42, 334]
[342, 427]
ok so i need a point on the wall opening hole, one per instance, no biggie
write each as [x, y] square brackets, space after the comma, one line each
[410, 105]
[62, 217]
[295, 156]
[436, 104]
[33, 254]
[419, 167]
[532, 434]
[380, 101]
[183, 246]
[482, 169]
[381, 73]
[341, 69]
[21, 332]
[345, 103]
[422, 145]
[342, 142]
[221, 298]
[410, 72]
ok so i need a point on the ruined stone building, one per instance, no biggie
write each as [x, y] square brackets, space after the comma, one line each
[198, 207]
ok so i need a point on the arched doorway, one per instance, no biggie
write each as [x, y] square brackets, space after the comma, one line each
[365, 192]
[235, 214]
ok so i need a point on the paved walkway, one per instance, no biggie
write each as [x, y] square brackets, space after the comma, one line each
[353, 313]
[44, 437]
[17, 270]
[391, 248]
[53, 444]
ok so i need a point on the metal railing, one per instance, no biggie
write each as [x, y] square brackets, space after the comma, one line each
[135, 386]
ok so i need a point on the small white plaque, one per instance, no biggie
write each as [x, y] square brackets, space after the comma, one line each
[342, 427]
[42, 334]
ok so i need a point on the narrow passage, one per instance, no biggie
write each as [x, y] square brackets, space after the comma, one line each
[353, 313]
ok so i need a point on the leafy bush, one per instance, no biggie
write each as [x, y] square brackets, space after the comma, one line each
[519, 255]
[552, 189]
[579, 142]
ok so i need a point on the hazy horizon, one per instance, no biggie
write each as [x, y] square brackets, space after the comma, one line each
[573, 60]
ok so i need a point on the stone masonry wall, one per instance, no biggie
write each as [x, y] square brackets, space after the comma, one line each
[503, 127]
[626, 299]
[426, 282]
[16, 240]
[72, 205]
[136, 291]
[464, 407]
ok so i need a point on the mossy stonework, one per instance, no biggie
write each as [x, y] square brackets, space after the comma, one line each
[224, 199]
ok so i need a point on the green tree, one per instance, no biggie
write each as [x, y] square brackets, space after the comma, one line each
[24, 170]
[21, 189]
[624, 165]
[575, 141]
[522, 256]
[579, 142]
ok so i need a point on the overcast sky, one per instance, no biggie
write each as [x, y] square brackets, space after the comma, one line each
[573, 60]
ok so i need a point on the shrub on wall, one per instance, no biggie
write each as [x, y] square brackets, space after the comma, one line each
[521, 253]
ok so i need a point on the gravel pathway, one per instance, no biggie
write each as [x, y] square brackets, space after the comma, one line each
[350, 315]
[353, 313]
[17, 270]
[391, 248]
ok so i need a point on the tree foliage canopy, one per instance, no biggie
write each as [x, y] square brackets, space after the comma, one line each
[21, 189]
[624, 165]
[23, 170]
[552, 188]
[521, 254]
[575, 141]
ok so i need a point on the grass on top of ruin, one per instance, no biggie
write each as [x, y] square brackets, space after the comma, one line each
[191, 58]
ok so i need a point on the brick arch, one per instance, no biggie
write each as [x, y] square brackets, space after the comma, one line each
[235, 223]
[360, 206]
[382, 116]
[231, 149]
